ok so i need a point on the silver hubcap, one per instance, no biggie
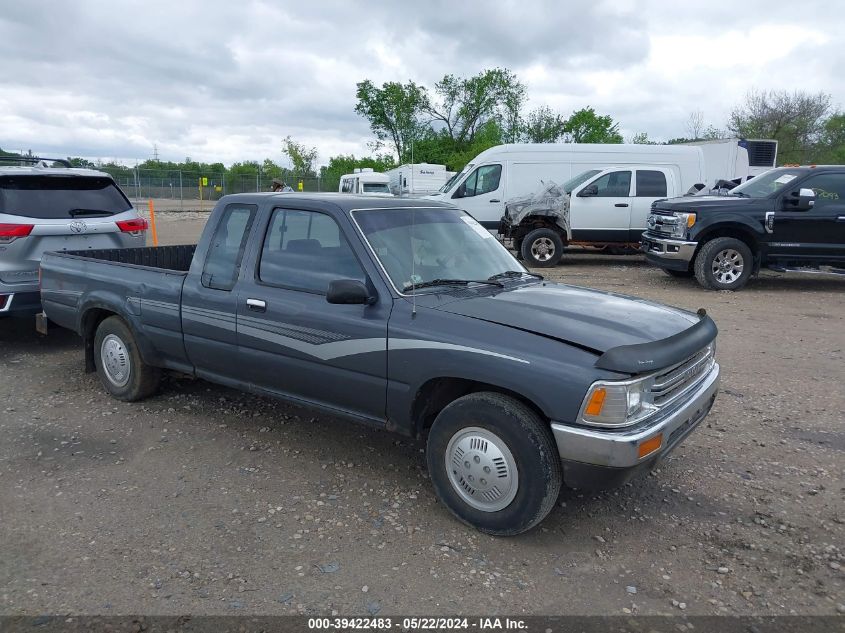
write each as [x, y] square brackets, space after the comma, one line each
[482, 469]
[115, 360]
[727, 266]
[542, 249]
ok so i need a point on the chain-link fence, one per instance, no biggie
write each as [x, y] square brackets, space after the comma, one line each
[193, 190]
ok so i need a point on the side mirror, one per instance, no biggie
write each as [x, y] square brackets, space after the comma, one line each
[348, 291]
[461, 191]
[803, 199]
[589, 191]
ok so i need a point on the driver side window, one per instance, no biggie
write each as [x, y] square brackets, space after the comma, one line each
[616, 184]
[483, 180]
[829, 188]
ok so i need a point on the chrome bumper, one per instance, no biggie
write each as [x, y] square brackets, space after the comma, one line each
[620, 449]
[667, 248]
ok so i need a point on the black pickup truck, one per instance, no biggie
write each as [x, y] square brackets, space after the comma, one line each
[409, 316]
[787, 219]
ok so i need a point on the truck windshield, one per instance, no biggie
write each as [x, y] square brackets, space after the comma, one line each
[570, 184]
[767, 183]
[417, 245]
[376, 187]
[60, 197]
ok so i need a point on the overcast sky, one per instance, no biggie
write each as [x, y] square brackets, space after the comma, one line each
[226, 81]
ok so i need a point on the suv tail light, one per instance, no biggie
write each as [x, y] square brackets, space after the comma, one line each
[11, 232]
[133, 226]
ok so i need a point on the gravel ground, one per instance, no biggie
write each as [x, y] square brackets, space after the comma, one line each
[204, 500]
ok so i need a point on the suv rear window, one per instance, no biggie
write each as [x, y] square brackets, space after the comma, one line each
[59, 197]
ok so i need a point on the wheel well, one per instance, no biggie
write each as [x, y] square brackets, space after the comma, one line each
[538, 222]
[731, 231]
[435, 394]
[90, 321]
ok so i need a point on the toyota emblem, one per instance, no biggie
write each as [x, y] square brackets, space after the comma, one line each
[77, 226]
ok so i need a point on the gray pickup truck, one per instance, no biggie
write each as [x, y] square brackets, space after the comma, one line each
[409, 316]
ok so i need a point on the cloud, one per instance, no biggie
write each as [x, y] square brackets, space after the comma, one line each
[221, 81]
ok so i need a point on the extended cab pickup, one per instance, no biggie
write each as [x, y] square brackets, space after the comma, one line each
[787, 219]
[406, 315]
[604, 208]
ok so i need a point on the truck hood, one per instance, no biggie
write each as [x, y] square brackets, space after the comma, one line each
[703, 203]
[590, 319]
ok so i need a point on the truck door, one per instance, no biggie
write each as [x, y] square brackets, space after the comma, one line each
[481, 195]
[817, 232]
[209, 301]
[292, 341]
[649, 185]
[601, 208]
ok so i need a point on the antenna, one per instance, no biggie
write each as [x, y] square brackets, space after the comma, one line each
[155, 152]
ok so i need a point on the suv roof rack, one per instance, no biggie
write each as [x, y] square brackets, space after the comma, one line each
[34, 159]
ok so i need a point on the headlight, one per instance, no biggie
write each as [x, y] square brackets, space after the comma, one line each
[684, 222]
[611, 403]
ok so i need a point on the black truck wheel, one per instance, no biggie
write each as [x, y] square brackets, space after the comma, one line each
[724, 263]
[494, 463]
[542, 248]
[119, 365]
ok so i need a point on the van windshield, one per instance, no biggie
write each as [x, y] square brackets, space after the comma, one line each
[570, 184]
[60, 197]
[454, 179]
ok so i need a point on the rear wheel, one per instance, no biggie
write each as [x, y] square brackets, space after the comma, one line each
[119, 365]
[542, 248]
[724, 263]
[493, 462]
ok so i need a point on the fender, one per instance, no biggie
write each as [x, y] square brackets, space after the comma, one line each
[736, 221]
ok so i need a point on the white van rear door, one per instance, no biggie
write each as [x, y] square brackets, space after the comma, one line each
[481, 194]
[650, 184]
[600, 209]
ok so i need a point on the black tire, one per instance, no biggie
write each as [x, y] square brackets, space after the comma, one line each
[542, 248]
[730, 252]
[681, 274]
[122, 355]
[517, 247]
[531, 446]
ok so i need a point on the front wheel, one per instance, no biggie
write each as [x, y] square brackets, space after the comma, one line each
[542, 248]
[119, 365]
[724, 263]
[493, 463]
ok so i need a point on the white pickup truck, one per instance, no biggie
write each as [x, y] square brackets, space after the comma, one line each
[599, 207]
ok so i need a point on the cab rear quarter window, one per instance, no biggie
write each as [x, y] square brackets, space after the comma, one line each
[60, 197]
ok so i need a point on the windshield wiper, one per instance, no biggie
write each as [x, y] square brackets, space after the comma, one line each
[513, 274]
[741, 194]
[451, 282]
[75, 212]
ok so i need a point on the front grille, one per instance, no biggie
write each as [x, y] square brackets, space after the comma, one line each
[660, 224]
[675, 381]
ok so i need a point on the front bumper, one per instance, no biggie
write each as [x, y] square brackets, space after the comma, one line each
[617, 452]
[666, 252]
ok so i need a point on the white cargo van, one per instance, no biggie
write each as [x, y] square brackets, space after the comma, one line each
[504, 172]
[365, 182]
[419, 179]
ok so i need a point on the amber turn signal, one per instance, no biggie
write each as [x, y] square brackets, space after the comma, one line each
[596, 402]
[650, 445]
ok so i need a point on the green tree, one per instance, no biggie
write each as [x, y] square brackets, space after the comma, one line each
[543, 125]
[394, 112]
[81, 162]
[641, 138]
[464, 106]
[795, 119]
[585, 126]
[301, 156]
[832, 146]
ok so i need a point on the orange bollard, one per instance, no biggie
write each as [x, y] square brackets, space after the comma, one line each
[153, 222]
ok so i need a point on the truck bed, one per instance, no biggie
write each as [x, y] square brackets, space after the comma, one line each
[177, 258]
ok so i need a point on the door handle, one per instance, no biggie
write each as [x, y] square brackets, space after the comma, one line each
[257, 305]
[495, 200]
[621, 204]
[841, 218]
